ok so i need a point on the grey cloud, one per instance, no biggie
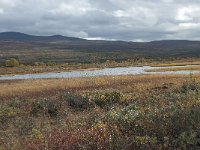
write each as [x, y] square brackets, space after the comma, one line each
[143, 20]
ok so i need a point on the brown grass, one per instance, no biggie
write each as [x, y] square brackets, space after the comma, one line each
[178, 63]
[24, 88]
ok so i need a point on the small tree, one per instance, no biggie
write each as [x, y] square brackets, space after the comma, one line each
[12, 63]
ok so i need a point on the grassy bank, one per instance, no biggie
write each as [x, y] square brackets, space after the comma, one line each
[183, 62]
[121, 112]
[182, 68]
[68, 67]
[31, 69]
[45, 69]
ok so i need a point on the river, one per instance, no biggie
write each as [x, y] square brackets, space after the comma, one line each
[100, 72]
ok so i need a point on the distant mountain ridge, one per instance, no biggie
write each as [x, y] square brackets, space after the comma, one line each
[161, 48]
[17, 36]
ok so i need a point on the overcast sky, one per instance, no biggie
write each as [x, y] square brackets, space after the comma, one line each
[133, 20]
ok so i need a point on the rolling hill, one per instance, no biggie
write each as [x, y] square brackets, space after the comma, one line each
[57, 48]
[17, 36]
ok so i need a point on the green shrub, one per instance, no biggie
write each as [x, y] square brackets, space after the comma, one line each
[107, 99]
[45, 107]
[6, 114]
[12, 63]
[77, 101]
[189, 140]
[37, 107]
[37, 134]
[125, 118]
[184, 120]
[51, 64]
[52, 108]
[8, 111]
[193, 86]
[105, 136]
[24, 125]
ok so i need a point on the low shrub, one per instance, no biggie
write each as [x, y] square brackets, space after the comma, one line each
[12, 63]
[37, 108]
[126, 118]
[77, 101]
[189, 139]
[6, 114]
[36, 134]
[107, 99]
[6, 111]
[52, 108]
[45, 107]
[105, 136]
[24, 125]
[193, 86]
[184, 120]
[54, 140]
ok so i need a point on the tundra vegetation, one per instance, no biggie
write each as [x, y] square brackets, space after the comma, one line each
[12, 63]
[111, 112]
[182, 68]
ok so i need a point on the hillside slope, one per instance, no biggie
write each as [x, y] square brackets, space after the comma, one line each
[57, 48]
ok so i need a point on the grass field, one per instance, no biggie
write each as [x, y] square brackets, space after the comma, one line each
[111, 112]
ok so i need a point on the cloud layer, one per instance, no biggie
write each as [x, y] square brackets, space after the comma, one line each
[133, 20]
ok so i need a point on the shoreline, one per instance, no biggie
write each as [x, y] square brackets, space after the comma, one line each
[22, 70]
